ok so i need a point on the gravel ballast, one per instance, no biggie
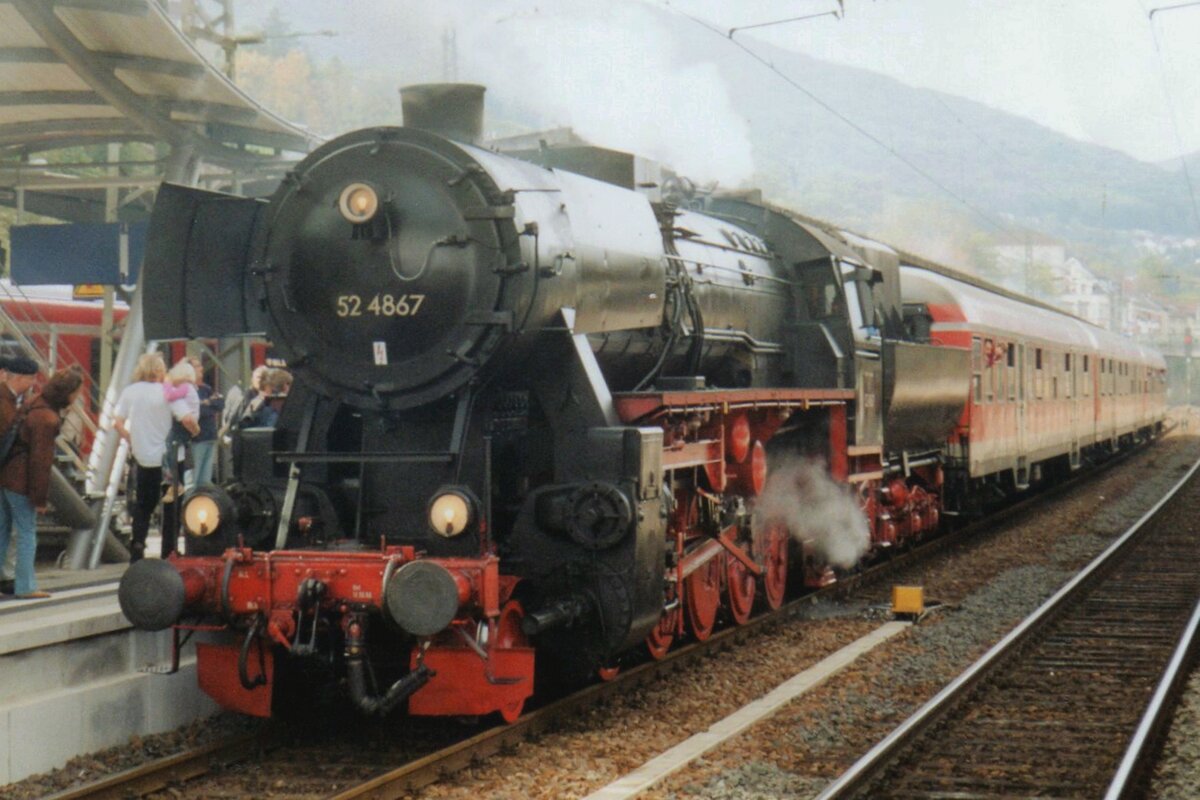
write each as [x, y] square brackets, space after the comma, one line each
[985, 589]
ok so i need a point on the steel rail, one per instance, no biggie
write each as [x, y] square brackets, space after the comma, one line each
[161, 773]
[870, 766]
[402, 781]
[405, 779]
[180, 768]
[1138, 761]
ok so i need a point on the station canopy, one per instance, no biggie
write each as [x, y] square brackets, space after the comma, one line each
[88, 72]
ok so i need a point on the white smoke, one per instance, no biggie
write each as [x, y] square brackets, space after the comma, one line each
[817, 512]
[619, 73]
[624, 74]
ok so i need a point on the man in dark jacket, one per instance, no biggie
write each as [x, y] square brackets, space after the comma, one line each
[17, 376]
[25, 478]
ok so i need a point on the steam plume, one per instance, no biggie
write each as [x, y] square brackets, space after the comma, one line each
[618, 75]
[816, 511]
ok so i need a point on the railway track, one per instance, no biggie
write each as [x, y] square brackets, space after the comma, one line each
[1050, 710]
[184, 775]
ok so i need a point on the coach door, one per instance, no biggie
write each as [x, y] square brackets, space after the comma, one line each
[1022, 438]
[1076, 402]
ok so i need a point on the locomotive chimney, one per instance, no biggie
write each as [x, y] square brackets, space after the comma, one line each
[453, 110]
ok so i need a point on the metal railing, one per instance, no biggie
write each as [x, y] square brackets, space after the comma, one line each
[23, 323]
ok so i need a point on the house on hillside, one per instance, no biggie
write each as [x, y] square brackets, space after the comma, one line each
[1079, 291]
[1145, 319]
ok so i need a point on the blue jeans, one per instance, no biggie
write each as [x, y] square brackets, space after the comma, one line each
[202, 462]
[16, 510]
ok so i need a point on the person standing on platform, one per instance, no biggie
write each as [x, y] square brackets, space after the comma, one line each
[205, 443]
[276, 387]
[14, 390]
[143, 418]
[254, 398]
[8, 412]
[179, 389]
[25, 478]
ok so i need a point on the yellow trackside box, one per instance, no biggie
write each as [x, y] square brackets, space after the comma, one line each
[908, 600]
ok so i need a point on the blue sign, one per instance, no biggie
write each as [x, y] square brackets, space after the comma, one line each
[85, 252]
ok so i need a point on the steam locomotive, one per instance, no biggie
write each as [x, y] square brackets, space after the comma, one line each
[539, 398]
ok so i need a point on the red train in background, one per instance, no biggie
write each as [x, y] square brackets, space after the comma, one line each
[60, 330]
[65, 331]
[545, 422]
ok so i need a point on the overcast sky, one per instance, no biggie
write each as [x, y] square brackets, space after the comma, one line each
[1087, 68]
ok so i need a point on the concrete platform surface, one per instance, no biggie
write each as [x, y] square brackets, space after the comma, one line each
[73, 676]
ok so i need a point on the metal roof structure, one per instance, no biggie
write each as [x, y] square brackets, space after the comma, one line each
[106, 73]
[87, 72]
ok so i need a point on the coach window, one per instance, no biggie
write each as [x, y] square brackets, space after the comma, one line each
[997, 370]
[1087, 379]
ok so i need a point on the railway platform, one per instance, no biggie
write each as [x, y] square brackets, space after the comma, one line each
[73, 674]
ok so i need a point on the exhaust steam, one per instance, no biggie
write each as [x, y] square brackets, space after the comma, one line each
[819, 513]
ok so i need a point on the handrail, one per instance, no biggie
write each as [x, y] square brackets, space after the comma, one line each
[43, 353]
[27, 304]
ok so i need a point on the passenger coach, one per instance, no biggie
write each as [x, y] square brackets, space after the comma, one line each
[1045, 386]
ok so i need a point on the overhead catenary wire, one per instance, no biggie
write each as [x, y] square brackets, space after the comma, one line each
[998, 152]
[1161, 9]
[734, 30]
[1171, 112]
[795, 84]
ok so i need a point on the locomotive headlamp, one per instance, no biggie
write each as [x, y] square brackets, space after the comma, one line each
[202, 516]
[207, 512]
[358, 203]
[451, 511]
